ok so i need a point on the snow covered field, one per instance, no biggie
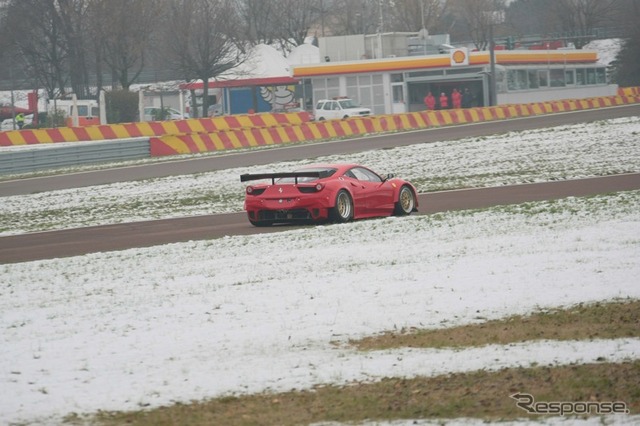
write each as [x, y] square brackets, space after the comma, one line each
[180, 322]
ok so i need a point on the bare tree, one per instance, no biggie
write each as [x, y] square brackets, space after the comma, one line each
[35, 31]
[294, 19]
[578, 18]
[347, 17]
[524, 17]
[413, 15]
[476, 18]
[283, 23]
[259, 22]
[124, 29]
[74, 25]
[204, 39]
[627, 64]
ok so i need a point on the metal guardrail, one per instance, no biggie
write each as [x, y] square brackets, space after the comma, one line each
[72, 154]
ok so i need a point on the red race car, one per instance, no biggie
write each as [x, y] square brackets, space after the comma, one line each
[333, 192]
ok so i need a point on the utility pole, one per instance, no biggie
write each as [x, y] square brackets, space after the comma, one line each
[493, 94]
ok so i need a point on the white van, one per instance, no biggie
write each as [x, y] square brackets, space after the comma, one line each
[328, 109]
[88, 111]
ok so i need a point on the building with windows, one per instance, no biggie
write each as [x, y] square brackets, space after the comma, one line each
[393, 72]
[399, 84]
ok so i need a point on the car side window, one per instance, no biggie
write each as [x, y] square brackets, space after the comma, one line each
[327, 106]
[336, 106]
[319, 105]
[365, 175]
[358, 174]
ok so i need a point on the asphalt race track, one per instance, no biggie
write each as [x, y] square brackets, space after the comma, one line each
[72, 242]
[309, 150]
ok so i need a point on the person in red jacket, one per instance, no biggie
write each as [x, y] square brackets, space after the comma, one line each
[430, 101]
[456, 98]
[444, 101]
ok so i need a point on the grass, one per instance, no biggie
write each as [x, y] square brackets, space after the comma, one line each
[598, 321]
[482, 394]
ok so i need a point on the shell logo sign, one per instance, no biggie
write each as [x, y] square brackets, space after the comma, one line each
[459, 57]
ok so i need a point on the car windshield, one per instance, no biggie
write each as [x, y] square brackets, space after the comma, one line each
[348, 103]
[324, 173]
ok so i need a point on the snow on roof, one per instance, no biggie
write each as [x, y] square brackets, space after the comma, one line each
[304, 54]
[264, 66]
[262, 62]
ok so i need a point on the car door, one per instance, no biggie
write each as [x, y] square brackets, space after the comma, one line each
[379, 192]
[331, 109]
[358, 191]
[366, 191]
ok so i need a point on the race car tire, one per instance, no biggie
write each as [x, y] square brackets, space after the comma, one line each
[343, 210]
[406, 202]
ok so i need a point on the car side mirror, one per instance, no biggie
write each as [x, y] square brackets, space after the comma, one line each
[389, 176]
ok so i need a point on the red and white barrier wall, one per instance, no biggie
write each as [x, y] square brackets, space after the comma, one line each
[242, 131]
[152, 128]
[243, 138]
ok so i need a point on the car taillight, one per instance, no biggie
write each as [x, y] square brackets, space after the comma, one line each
[310, 189]
[254, 191]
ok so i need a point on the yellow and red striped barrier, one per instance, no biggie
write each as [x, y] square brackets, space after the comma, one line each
[148, 129]
[628, 91]
[230, 132]
[320, 130]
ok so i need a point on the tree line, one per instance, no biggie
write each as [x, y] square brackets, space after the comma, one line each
[81, 46]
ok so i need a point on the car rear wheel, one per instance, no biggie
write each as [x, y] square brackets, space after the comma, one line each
[343, 209]
[406, 202]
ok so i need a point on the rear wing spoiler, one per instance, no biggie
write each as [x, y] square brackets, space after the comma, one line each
[274, 176]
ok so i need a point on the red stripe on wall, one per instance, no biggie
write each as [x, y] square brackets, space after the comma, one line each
[257, 135]
[242, 137]
[133, 130]
[290, 133]
[274, 134]
[81, 134]
[158, 148]
[4, 139]
[368, 125]
[224, 137]
[157, 128]
[257, 120]
[55, 135]
[353, 126]
[188, 140]
[232, 122]
[107, 132]
[397, 121]
[183, 126]
[208, 142]
[322, 128]
[337, 128]
[29, 137]
[306, 131]
[281, 119]
[413, 123]
[207, 125]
